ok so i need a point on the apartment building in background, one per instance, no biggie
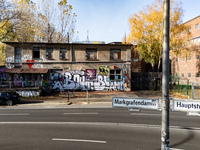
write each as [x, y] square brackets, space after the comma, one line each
[189, 67]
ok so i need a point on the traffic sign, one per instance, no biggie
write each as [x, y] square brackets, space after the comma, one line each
[131, 102]
[186, 105]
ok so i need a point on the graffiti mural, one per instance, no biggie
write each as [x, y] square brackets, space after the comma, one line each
[103, 70]
[28, 93]
[77, 81]
[9, 60]
[90, 74]
[30, 62]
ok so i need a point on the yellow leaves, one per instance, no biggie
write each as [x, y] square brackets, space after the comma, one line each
[62, 2]
[2, 54]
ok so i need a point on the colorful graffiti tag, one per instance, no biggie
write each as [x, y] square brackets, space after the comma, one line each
[103, 70]
[28, 93]
[78, 81]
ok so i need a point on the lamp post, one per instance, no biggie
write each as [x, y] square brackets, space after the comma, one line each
[165, 79]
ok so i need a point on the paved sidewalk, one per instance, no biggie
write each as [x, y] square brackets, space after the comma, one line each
[81, 99]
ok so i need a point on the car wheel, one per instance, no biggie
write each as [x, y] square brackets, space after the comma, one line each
[9, 102]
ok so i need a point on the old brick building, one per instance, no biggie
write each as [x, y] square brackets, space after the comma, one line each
[69, 65]
[189, 67]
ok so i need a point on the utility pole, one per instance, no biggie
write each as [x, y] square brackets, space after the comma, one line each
[165, 79]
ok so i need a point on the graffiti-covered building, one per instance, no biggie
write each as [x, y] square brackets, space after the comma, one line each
[67, 66]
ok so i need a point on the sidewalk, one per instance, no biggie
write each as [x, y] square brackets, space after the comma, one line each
[80, 99]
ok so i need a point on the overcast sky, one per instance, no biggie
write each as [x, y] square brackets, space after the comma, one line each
[107, 20]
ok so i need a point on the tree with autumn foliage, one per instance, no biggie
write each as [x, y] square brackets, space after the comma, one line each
[146, 30]
[58, 20]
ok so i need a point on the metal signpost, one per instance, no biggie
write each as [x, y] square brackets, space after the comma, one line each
[140, 103]
[165, 78]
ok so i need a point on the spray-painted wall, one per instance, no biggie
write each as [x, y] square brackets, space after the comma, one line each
[79, 80]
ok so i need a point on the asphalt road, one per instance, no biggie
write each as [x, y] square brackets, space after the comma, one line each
[94, 129]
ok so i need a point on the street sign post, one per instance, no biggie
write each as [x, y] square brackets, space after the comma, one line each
[186, 105]
[131, 102]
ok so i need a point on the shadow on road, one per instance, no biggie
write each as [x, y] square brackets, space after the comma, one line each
[190, 136]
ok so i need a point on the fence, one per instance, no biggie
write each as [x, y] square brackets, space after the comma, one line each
[180, 85]
[20, 84]
[146, 81]
[196, 90]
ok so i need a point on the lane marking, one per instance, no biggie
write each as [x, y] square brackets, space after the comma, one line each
[175, 149]
[143, 114]
[80, 113]
[24, 114]
[103, 124]
[79, 140]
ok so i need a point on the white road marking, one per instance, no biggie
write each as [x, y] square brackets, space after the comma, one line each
[80, 113]
[175, 149]
[143, 114]
[24, 114]
[102, 124]
[79, 140]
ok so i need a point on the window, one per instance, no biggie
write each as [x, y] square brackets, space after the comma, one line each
[135, 69]
[135, 60]
[189, 74]
[63, 53]
[36, 52]
[49, 53]
[182, 58]
[197, 56]
[189, 58]
[176, 59]
[18, 56]
[190, 29]
[182, 74]
[183, 32]
[197, 26]
[115, 74]
[91, 54]
[197, 75]
[176, 74]
[115, 54]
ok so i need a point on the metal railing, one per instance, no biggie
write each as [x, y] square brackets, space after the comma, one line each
[20, 84]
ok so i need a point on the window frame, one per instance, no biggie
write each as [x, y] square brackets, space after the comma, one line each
[114, 74]
[182, 74]
[197, 26]
[49, 50]
[113, 53]
[197, 75]
[91, 52]
[61, 53]
[18, 57]
[189, 74]
[36, 49]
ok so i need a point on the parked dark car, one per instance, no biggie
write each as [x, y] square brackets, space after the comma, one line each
[9, 98]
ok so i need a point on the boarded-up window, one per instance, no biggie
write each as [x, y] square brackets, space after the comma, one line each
[91, 54]
[49, 53]
[63, 53]
[115, 54]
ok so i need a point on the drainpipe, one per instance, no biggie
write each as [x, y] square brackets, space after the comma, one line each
[71, 50]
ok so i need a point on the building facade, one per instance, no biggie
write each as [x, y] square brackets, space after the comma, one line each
[69, 66]
[188, 68]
